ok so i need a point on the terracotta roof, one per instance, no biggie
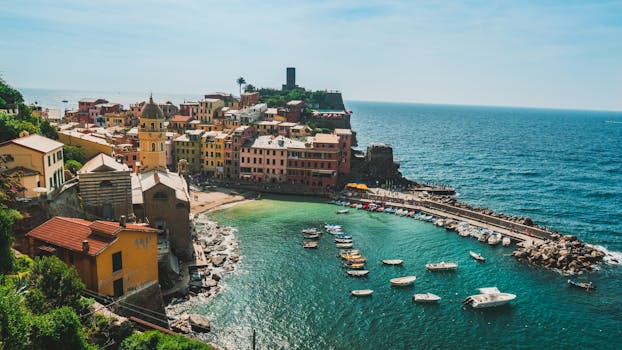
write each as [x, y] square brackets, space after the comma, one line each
[180, 118]
[69, 233]
[36, 142]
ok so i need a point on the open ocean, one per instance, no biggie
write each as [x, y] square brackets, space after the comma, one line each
[562, 168]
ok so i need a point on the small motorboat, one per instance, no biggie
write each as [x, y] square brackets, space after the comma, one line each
[426, 298]
[403, 281]
[362, 292]
[350, 256]
[335, 231]
[476, 256]
[306, 244]
[343, 240]
[344, 245]
[311, 235]
[359, 206]
[332, 227]
[342, 211]
[506, 241]
[64, 101]
[380, 209]
[489, 297]
[357, 273]
[353, 265]
[584, 285]
[442, 266]
[310, 230]
[393, 262]
[494, 239]
[348, 252]
[358, 259]
[343, 236]
[353, 205]
[483, 237]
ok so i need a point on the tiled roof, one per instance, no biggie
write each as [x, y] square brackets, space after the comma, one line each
[180, 118]
[326, 138]
[343, 132]
[102, 162]
[37, 143]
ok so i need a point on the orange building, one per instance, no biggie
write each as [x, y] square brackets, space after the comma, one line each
[112, 258]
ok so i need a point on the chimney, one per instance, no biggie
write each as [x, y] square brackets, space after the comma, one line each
[85, 246]
[122, 220]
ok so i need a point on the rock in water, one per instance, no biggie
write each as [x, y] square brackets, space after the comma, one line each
[199, 323]
[218, 260]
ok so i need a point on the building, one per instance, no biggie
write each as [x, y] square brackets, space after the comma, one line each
[111, 258]
[36, 154]
[114, 120]
[189, 109]
[267, 127]
[293, 112]
[233, 146]
[169, 109]
[249, 99]
[208, 109]
[152, 138]
[291, 79]
[265, 158]
[188, 147]
[106, 187]
[85, 106]
[316, 164]
[345, 149]
[179, 122]
[213, 153]
[91, 143]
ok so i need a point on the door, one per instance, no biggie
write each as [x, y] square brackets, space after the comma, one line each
[117, 286]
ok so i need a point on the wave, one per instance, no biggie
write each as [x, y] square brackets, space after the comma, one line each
[611, 257]
[613, 122]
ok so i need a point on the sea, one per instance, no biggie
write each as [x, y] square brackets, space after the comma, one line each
[562, 168]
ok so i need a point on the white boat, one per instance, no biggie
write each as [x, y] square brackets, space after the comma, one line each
[403, 281]
[332, 227]
[483, 237]
[335, 231]
[463, 232]
[393, 262]
[506, 241]
[362, 292]
[476, 256]
[426, 298]
[309, 244]
[343, 240]
[359, 206]
[343, 245]
[310, 230]
[494, 239]
[489, 297]
[357, 273]
[442, 266]
[343, 211]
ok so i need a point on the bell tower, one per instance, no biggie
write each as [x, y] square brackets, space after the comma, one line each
[152, 138]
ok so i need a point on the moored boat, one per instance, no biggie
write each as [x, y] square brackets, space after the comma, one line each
[476, 256]
[362, 292]
[393, 261]
[353, 265]
[426, 298]
[332, 227]
[343, 236]
[357, 273]
[343, 240]
[358, 259]
[489, 297]
[403, 281]
[344, 245]
[310, 230]
[584, 285]
[309, 244]
[494, 239]
[442, 266]
[311, 235]
[343, 211]
[506, 241]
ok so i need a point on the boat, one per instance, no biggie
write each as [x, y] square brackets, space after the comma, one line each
[489, 297]
[380, 209]
[64, 101]
[403, 281]
[309, 244]
[344, 245]
[494, 239]
[311, 235]
[343, 236]
[335, 231]
[342, 211]
[483, 237]
[353, 205]
[426, 298]
[343, 240]
[347, 256]
[476, 256]
[359, 259]
[463, 232]
[353, 265]
[442, 266]
[585, 285]
[506, 241]
[362, 292]
[393, 262]
[310, 230]
[357, 273]
[348, 252]
[332, 227]
[359, 206]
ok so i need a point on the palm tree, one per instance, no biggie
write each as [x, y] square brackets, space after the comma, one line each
[250, 88]
[241, 82]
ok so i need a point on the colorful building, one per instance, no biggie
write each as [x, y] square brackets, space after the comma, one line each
[90, 142]
[188, 147]
[208, 109]
[111, 258]
[152, 137]
[265, 158]
[316, 164]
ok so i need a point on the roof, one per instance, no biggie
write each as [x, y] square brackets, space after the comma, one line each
[326, 138]
[102, 162]
[182, 138]
[168, 179]
[279, 142]
[91, 100]
[294, 102]
[69, 233]
[287, 124]
[152, 111]
[180, 118]
[210, 100]
[343, 132]
[36, 142]
[92, 137]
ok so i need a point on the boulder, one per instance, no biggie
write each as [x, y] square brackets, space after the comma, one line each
[211, 283]
[199, 323]
[216, 277]
[218, 260]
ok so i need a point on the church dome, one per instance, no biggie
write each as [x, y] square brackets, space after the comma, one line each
[152, 110]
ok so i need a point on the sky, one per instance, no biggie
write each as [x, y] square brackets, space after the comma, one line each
[557, 53]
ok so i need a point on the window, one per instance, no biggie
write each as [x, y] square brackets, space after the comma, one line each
[105, 183]
[117, 262]
[160, 196]
[49, 160]
[117, 287]
[152, 147]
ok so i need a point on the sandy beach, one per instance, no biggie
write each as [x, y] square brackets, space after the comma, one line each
[217, 198]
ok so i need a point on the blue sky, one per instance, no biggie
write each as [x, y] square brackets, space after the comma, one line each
[565, 54]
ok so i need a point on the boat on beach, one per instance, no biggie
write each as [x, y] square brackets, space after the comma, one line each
[362, 292]
[584, 285]
[403, 281]
[393, 262]
[489, 297]
[344, 245]
[426, 298]
[442, 266]
[476, 256]
[342, 211]
[357, 273]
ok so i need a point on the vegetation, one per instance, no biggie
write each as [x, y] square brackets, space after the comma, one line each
[279, 98]
[250, 88]
[240, 81]
[59, 285]
[14, 319]
[7, 258]
[160, 341]
[58, 329]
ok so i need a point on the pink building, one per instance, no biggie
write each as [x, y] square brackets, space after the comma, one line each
[265, 158]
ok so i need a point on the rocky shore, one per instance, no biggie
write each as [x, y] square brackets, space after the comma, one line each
[219, 247]
[567, 254]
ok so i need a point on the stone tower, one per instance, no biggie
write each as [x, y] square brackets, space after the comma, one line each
[152, 137]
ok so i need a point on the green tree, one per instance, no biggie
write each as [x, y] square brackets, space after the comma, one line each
[250, 88]
[7, 258]
[73, 165]
[58, 329]
[15, 320]
[73, 153]
[154, 340]
[54, 285]
[241, 81]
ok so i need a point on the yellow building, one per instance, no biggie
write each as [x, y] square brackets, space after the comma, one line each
[91, 144]
[208, 109]
[188, 147]
[114, 119]
[152, 138]
[39, 158]
[213, 153]
[112, 258]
